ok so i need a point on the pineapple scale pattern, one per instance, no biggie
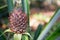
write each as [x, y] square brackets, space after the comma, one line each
[18, 21]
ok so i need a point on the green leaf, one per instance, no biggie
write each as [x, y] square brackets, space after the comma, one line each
[25, 37]
[17, 36]
[10, 5]
[38, 31]
[49, 25]
[28, 35]
[8, 30]
[55, 34]
[3, 6]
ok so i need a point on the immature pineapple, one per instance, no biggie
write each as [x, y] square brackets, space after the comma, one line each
[18, 21]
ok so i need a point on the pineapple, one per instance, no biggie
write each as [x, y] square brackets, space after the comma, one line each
[18, 21]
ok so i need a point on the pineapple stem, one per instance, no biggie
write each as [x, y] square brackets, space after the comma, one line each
[17, 36]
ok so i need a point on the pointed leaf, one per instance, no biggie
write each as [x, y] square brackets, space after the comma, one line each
[28, 35]
[8, 30]
[38, 31]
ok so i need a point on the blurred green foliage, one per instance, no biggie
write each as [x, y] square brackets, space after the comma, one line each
[2, 37]
[2, 2]
[55, 33]
[25, 37]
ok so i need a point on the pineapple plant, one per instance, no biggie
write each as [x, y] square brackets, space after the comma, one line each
[18, 23]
